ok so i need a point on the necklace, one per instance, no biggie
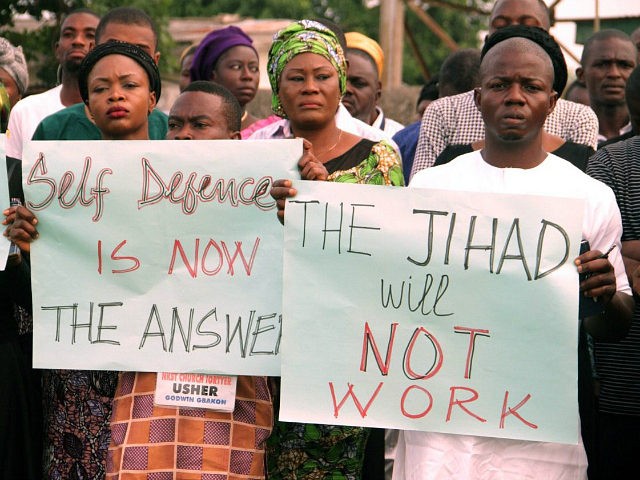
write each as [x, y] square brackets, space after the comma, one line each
[333, 146]
[244, 115]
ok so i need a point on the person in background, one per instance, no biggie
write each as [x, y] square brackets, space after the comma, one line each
[20, 396]
[407, 138]
[124, 24]
[14, 80]
[308, 76]
[428, 93]
[608, 58]
[14, 74]
[234, 443]
[517, 94]
[459, 73]
[76, 38]
[364, 87]
[228, 57]
[456, 120]
[186, 60]
[635, 38]
[577, 92]
[618, 363]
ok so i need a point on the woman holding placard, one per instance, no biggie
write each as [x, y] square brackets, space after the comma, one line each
[308, 75]
[120, 85]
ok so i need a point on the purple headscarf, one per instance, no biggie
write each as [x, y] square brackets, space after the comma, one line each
[213, 46]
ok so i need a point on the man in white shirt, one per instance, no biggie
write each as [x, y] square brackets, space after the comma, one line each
[77, 37]
[364, 88]
[515, 98]
[456, 120]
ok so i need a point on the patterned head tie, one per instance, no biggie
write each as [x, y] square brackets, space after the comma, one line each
[304, 36]
[13, 62]
[118, 48]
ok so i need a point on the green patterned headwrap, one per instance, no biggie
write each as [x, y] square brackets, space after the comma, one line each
[304, 36]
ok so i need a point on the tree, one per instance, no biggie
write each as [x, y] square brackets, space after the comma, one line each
[452, 15]
[38, 45]
[462, 26]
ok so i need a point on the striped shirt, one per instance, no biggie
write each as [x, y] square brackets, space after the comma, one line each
[618, 364]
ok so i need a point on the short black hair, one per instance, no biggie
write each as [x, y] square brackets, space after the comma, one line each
[429, 90]
[540, 37]
[232, 110]
[64, 17]
[460, 72]
[605, 34]
[126, 16]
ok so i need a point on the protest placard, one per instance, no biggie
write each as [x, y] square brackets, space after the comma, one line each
[157, 256]
[431, 310]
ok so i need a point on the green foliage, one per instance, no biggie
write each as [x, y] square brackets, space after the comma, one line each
[243, 8]
[38, 48]
[38, 45]
[349, 14]
[462, 27]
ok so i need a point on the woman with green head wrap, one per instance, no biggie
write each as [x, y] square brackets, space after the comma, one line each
[308, 75]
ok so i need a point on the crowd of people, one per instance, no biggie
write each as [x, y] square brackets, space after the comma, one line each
[500, 119]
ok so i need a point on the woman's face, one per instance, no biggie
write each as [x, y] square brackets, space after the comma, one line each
[10, 86]
[309, 90]
[120, 99]
[238, 70]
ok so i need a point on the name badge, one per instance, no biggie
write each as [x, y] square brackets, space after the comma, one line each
[196, 390]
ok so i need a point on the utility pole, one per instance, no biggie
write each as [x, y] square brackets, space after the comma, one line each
[391, 38]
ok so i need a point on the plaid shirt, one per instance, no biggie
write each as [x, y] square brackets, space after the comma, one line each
[456, 120]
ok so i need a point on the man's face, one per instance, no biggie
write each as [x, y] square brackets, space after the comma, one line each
[77, 37]
[140, 35]
[606, 69]
[363, 88]
[517, 12]
[516, 93]
[198, 116]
